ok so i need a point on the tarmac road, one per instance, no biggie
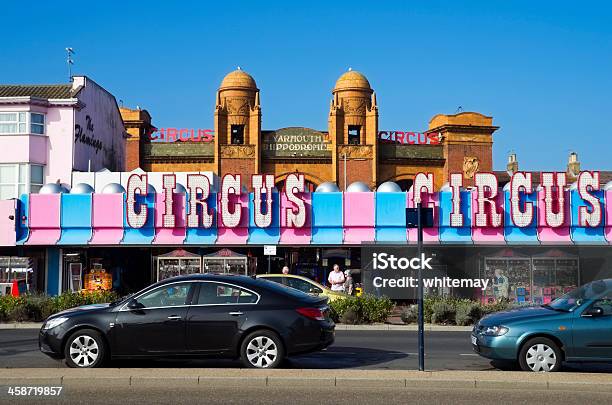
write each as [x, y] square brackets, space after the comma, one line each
[394, 350]
[353, 349]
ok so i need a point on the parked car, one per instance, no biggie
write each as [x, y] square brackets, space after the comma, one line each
[303, 284]
[576, 327]
[258, 321]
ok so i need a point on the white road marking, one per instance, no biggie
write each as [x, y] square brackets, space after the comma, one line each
[468, 354]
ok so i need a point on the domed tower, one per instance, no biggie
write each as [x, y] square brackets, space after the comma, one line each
[237, 126]
[353, 128]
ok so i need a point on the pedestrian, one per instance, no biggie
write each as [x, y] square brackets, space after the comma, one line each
[285, 270]
[336, 279]
[349, 283]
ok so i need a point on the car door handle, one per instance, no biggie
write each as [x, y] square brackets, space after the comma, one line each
[237, 313]
[174, 317]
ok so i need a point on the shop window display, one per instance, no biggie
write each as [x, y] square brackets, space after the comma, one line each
[176, 263]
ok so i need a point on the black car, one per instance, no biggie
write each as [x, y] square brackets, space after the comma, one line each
[227, 316]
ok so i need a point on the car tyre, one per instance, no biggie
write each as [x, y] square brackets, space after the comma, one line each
[540, 354]
[85, 348]
[262, 349]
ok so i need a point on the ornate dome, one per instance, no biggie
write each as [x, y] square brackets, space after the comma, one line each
[113, 188]
[327, 187]
[82, 188]
[352, 80]
[52, 188]
[358, 187]
[389, 187]
[238, 79]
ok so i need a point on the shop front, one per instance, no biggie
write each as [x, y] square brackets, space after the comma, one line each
[531, 246]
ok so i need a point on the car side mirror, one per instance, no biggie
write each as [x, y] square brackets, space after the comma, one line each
[594, 312]
[135, 305]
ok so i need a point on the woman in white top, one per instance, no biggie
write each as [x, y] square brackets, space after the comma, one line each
[336, 279]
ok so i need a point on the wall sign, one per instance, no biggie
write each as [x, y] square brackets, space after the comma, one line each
[409, 138]
[295, 142]
[181, 135]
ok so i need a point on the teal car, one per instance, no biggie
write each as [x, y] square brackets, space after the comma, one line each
[576, 327]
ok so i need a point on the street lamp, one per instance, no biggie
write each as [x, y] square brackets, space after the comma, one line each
[420, 217]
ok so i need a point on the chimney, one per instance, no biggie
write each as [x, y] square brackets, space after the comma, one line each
[512, 166]
[573, 167]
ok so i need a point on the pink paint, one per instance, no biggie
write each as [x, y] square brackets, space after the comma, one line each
[430, 235]
[170, 236]
[296, 236]
[488, 234]
[608, 229]
[107, 219]
[547, 234]
[7, 225]
[359, 217]
[240, 234]
[44, 221]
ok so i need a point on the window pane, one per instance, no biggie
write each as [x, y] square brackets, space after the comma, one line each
[22, 128]
[7, 192]
[22, 117]
[21, 190]
[11, 117]
[37, 118]
[36, 174]
[37, 129]
[23, 173]
[8, 128]
[7, 174]
[167, 296]
[35, 188]
[213, 293]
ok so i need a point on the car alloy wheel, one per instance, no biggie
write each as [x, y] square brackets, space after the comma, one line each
[262, 349]
[540, 355]
[84, 349]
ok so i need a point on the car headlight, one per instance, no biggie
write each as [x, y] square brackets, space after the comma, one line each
[52, 323]
[495, 330]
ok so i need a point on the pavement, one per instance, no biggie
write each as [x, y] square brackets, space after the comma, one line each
[472, 380]
[351, 393]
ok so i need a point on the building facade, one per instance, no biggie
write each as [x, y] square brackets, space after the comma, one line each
[47, 132]
[140, 217]
[353, 148]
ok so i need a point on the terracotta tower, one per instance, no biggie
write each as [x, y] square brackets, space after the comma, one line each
[237, 126]
[353, 127]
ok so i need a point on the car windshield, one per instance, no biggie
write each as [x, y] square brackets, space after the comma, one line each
[577, 297]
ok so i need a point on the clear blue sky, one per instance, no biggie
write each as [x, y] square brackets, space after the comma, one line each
[543, 70]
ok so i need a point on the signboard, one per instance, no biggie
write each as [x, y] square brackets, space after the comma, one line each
[296, 143]
[181, 135]
[270, 250]
[409, 138]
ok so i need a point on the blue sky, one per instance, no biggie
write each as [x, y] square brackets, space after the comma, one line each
[542, 69]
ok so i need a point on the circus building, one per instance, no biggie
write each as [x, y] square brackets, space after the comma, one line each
[352, 148]
[231, 197]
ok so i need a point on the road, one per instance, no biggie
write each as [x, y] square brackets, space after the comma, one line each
[394, 350]
[378, 349]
